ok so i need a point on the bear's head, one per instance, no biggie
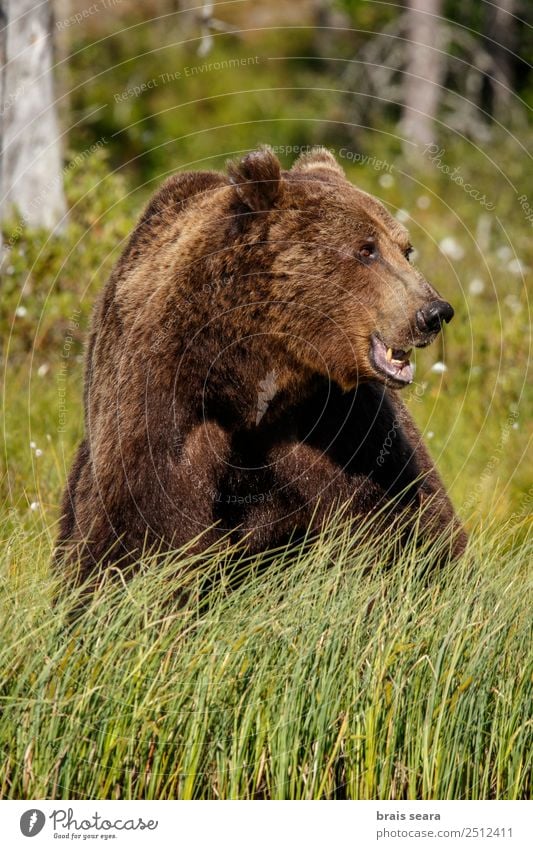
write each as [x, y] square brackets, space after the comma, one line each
[335, 266]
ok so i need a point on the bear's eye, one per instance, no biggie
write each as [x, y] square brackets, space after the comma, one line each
[367, 251]
[408, 251]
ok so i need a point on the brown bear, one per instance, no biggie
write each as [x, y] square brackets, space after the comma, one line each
[243, 368]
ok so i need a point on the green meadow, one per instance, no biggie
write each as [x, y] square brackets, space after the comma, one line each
[324, 671]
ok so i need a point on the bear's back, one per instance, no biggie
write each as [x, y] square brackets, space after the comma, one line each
[160, 218]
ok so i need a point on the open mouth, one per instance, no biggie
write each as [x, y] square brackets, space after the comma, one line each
[392, 363]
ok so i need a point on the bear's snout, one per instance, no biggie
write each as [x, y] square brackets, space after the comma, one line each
[430, 318]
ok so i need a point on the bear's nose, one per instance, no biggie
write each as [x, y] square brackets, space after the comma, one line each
[432, 316]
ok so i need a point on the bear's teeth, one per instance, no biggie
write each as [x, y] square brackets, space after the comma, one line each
[398, 358]
[401, 359]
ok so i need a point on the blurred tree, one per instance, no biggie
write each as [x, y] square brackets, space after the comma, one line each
[433, 64]
[31, 175]
[3, 32]
[425, 69]
[209, 25]
[333, 28]
[501, 37]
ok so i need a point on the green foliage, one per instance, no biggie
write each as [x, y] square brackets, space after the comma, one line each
[163, 107]
[320, 677]
[474, 416]
[312, 678]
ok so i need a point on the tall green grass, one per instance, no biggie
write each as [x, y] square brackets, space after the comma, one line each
[315, 672]
[325, 674]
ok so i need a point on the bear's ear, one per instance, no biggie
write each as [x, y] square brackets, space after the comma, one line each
[318, 159]
[257, 179]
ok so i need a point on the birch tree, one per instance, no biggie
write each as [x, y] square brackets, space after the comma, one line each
[3, 32]
[30, 164]
[425, 70]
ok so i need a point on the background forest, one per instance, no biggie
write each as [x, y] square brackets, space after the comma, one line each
[427, 105]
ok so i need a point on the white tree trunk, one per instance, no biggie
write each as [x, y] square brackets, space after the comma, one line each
[3, 32]
[425, 70]
[31, 168]
[501, 29]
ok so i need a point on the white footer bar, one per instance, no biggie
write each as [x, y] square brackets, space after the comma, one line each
[268, 825]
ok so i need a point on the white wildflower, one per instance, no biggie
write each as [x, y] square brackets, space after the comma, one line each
[476, 286]
[504, 253]
[451, 247]
[516, 266]
[513, 303]
[386, 180]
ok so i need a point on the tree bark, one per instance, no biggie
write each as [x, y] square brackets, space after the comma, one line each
[501, 31]
[31, 177]
[425, 70]
[3, 33]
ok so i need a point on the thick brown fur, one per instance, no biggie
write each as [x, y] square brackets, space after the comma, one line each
[228, 381]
